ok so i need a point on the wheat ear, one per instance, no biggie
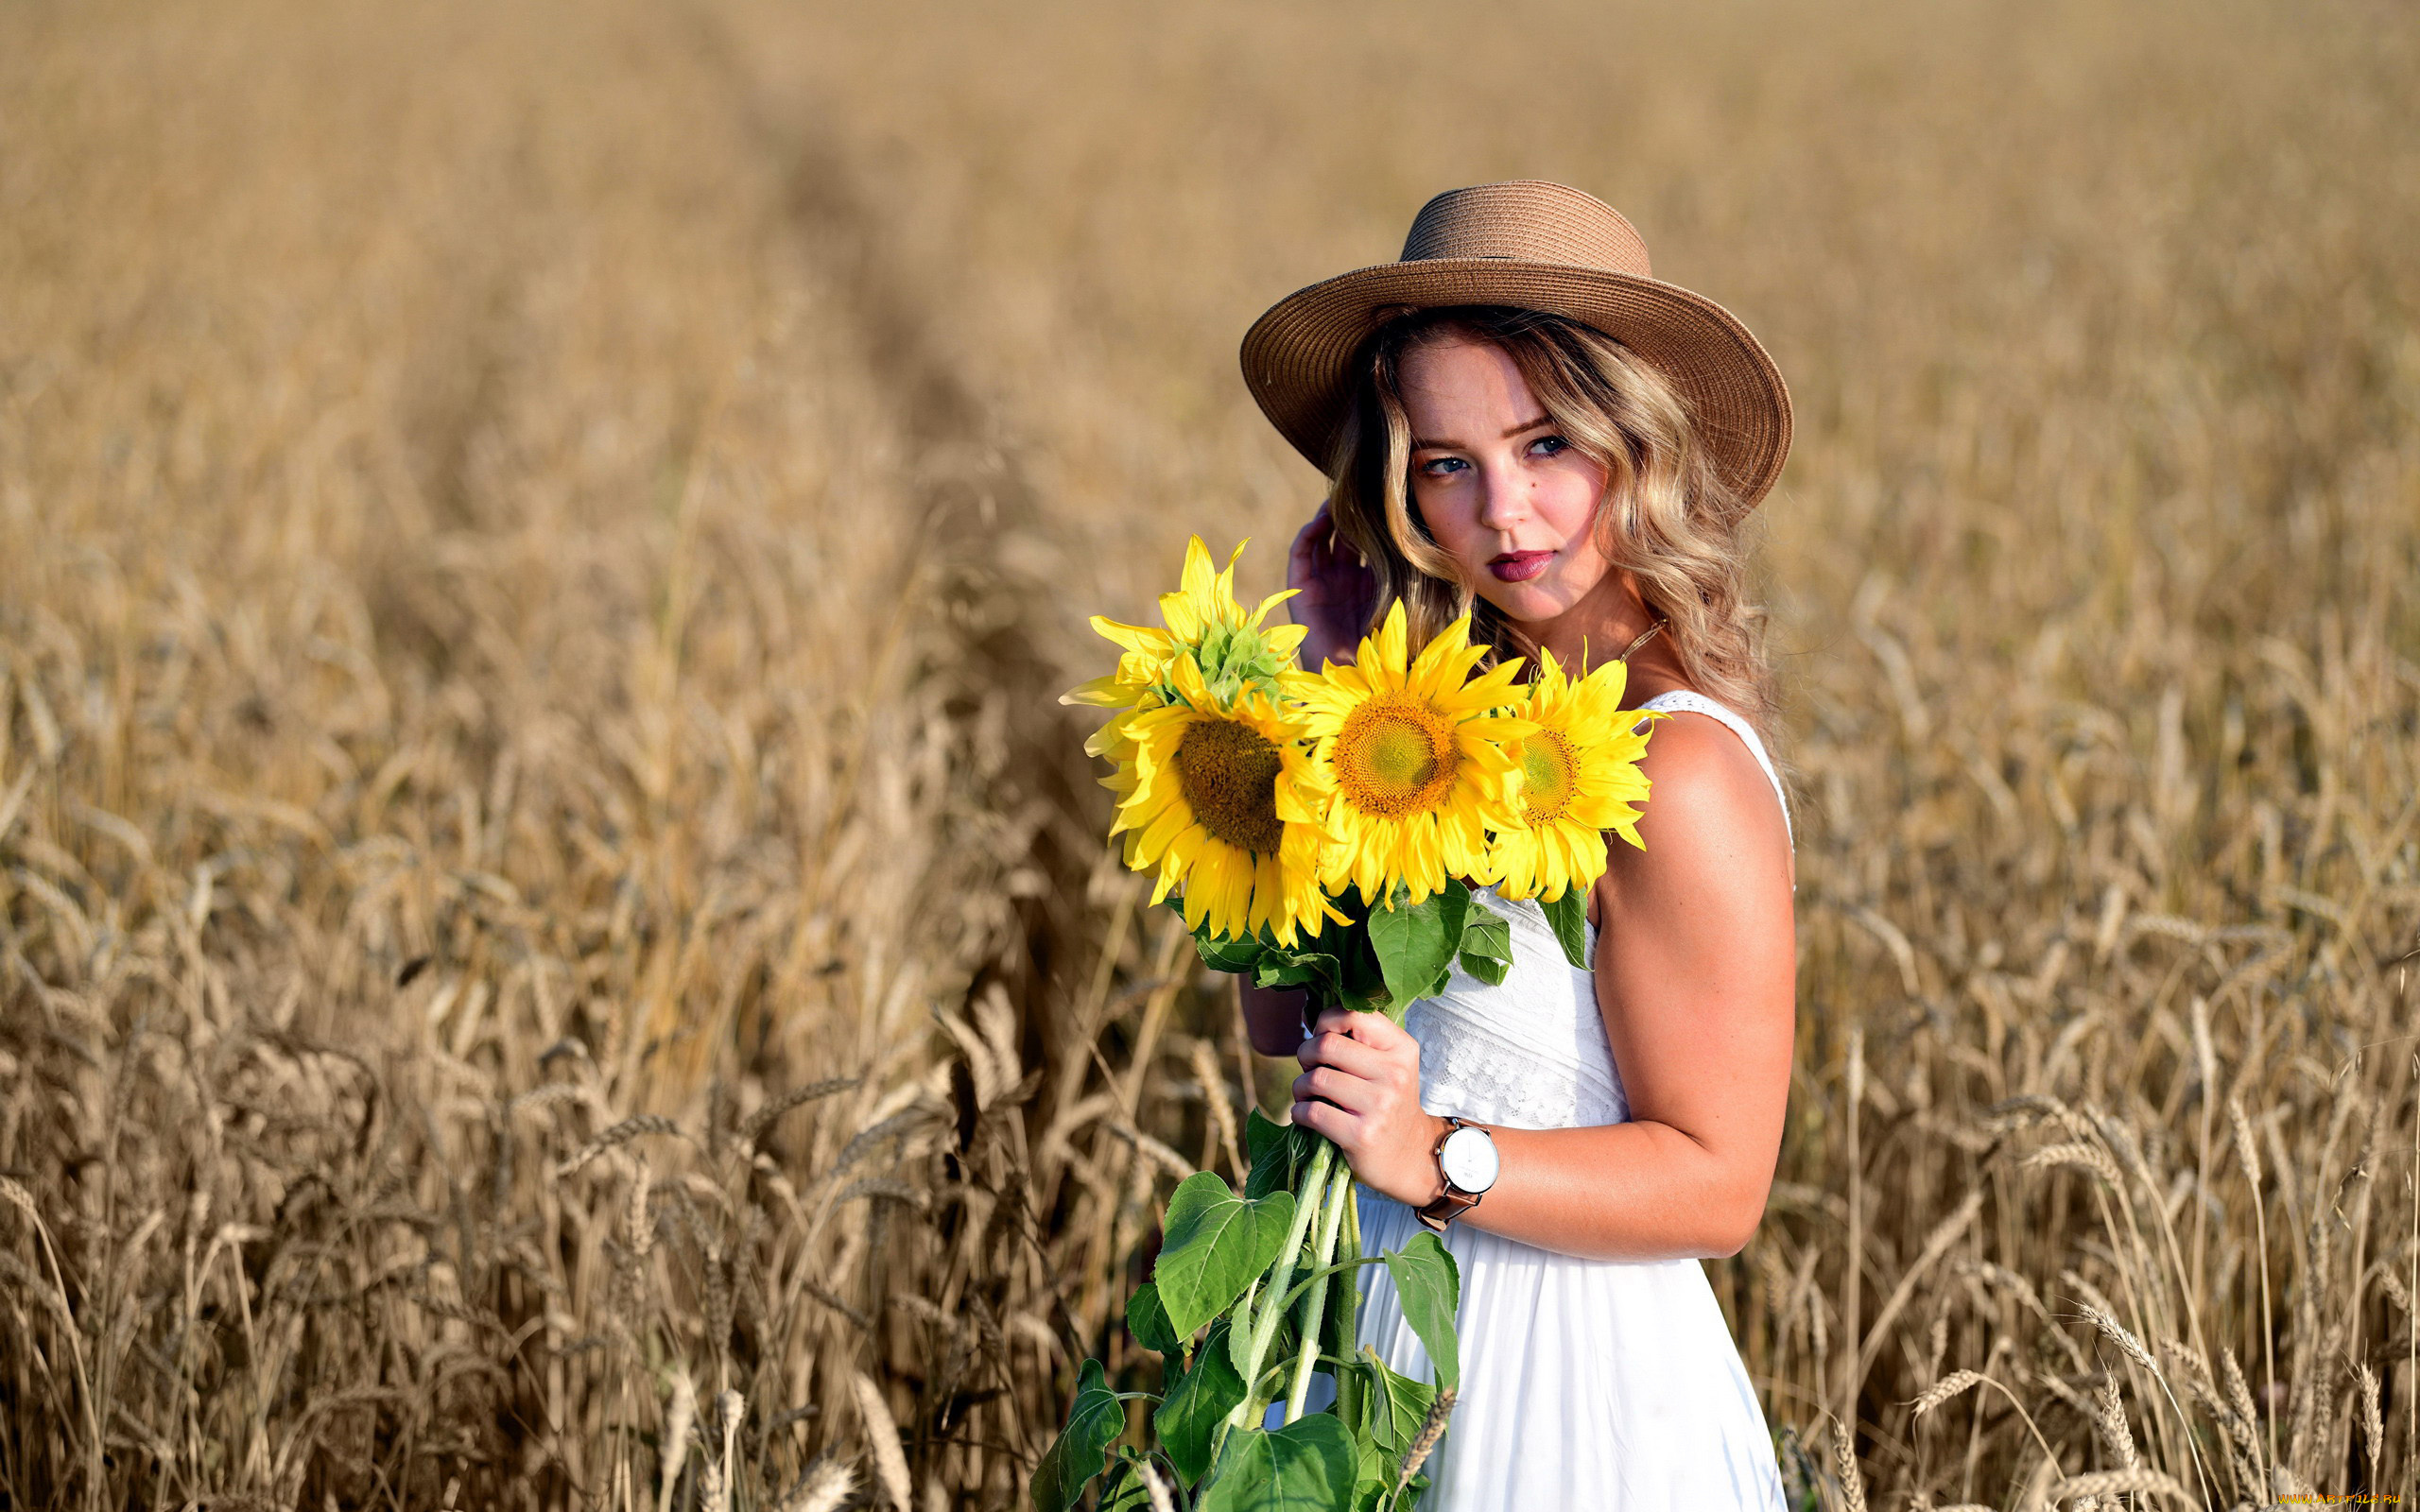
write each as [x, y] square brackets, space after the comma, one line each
[1432, 1428]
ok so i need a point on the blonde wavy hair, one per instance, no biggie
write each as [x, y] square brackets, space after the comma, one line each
[1666, 517]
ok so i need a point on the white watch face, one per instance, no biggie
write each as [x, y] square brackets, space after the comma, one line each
[1469, 1160]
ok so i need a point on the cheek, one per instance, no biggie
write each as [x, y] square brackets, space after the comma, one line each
[1452, 524]
[1568, 501]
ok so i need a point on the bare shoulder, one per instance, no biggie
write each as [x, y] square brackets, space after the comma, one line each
[1702, 779]
[1710, 808]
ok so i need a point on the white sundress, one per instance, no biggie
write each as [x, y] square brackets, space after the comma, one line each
[1588, 1385]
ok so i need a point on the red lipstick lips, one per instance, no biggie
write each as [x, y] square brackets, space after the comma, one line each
[1519, 566]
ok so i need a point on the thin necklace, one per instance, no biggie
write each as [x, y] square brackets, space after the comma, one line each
[1645, 636]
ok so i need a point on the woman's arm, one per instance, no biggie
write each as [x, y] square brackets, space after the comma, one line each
[1273, 1015]
[1695, 969]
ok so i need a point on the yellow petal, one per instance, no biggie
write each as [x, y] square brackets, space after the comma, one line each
[1133, 637]
[1383, 652]
[1198, 573]
[1447, 643]
[1100, 693]
[1261, 610]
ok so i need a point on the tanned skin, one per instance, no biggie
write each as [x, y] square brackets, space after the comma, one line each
[1696, 957]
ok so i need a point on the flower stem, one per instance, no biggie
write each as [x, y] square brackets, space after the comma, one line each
[1274, 1298]
[1346, 1324]
[1315, 1304]
[1343, 1263]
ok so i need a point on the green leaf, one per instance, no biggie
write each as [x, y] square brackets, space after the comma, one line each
[1429, 1287]
[1125, 1491]
[1217, 1243]
[1188, 1420]
[1278, 1152]
[1454, 907]
[1281, 1346]
[1374, 1001]
[1223, 954]
[1394, 1406]
[1149, 1321]
[1362, 976]
[1487, 946]
[1093, 1424]
[1305, 1467]
[1416, 942]
[1568, 914]
[1374, 1475]
[1489, 933]
[1280, 967]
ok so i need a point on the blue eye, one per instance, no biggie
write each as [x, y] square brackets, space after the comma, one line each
[1430, 469]
[1556, 442]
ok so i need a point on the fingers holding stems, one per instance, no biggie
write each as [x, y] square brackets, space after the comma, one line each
[1360, 1090]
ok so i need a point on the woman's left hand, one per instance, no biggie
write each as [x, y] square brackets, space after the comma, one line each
[1336, 594]
[1360, 1088]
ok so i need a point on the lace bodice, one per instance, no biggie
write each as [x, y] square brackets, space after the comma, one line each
[1530, 1052]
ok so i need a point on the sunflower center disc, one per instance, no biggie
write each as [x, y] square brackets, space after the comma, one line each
[1548, 767]
[1395, 759]
[1228, 773]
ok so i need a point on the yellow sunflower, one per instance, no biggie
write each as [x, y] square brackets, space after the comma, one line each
[1579, 778]
[1412, 765]
[1213, 799]
[1233, 650]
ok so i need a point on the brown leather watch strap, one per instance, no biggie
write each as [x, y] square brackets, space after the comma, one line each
[1453, 1202]
[1447, 1209]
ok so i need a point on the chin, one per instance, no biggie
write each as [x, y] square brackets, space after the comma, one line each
[1524, 602]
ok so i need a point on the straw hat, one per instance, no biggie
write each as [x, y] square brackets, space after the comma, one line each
[1539, 245]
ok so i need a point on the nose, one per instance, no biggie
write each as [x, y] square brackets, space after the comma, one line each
[1504, 499]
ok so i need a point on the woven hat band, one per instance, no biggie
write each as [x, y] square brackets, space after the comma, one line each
[1526, 221]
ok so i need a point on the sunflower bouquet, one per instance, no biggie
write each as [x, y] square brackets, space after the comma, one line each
[1325, 831]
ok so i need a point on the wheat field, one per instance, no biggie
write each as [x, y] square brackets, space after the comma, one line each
[555, 947]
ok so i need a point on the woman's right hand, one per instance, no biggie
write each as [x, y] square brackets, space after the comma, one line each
[1337, 594]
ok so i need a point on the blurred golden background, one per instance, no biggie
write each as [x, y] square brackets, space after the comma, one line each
[557, 951]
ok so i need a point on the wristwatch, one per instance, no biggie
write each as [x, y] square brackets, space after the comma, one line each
[1466, 1159]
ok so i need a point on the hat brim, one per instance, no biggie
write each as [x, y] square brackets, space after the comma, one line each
[1298, 355]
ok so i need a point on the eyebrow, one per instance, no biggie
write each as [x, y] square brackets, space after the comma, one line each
[1418, 444]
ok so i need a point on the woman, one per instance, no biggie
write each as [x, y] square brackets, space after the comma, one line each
[1520, 422]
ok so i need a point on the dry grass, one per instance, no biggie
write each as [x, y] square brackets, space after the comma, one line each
[552, 945]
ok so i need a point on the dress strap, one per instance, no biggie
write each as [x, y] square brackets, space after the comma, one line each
[1683, 701]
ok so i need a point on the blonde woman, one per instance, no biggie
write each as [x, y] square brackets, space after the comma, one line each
[1520, 422]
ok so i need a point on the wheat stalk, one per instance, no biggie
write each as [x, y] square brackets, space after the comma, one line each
[620, 1134]
[678, 1421]
[1423, 1443]
[824, 1488]
[1222, 1112]
[1156, 1489]
[1844, 1466]
[882, 1438]
[2372, 1423]
[2113, 1482]
[1959, 1382]
[2109, 1417]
